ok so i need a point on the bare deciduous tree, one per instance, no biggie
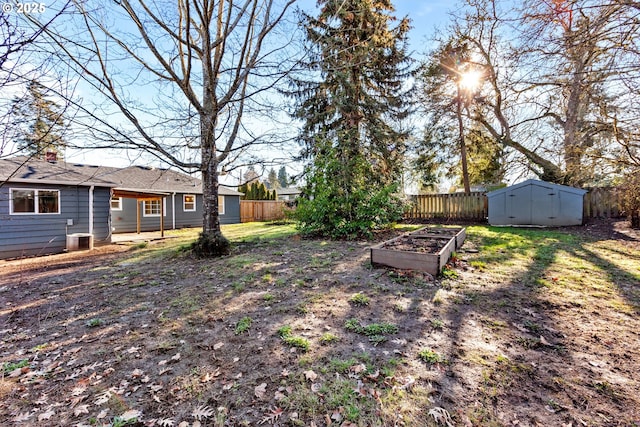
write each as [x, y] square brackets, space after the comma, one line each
[559, 82]
[179, 79]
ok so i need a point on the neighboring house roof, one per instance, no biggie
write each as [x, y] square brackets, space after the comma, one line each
[131, 178]
[23, 169]
[289, 191]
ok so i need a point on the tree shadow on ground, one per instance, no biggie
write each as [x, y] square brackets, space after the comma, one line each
[530, 358]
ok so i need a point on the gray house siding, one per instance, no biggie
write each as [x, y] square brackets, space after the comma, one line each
[231, 210]
[125, 220]
[37, 234]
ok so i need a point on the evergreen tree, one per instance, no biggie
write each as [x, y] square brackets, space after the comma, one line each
[354, 154]
[283, 179]
[272, 179]
[39, 121]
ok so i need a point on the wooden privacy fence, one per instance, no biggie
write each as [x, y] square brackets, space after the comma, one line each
[262, 210]
[448, 206]
[601, 202]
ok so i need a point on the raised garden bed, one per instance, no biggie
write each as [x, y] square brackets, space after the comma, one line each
[427, 249]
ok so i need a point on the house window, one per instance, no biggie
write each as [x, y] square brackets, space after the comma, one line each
[152, 208]
[35, 201]
[116, 203]
[220, 205]
[189, 202]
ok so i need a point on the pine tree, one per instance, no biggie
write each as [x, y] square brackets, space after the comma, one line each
[272, 179]
[283, 179]
[353, 149]
[39, 121]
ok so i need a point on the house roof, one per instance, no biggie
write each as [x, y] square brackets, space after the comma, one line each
[538, 183]
[26, 170]
[288, 191]
[132, 178]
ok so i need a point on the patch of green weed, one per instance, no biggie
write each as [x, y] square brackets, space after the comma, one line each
[243, 325]
[359, 300]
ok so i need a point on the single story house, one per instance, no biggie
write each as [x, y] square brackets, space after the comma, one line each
[142, 193]
[43, 203]
[288, 194]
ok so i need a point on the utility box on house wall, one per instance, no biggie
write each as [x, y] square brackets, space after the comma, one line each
[79, 242]
[534, 202]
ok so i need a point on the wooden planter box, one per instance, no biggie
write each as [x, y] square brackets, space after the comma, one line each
[448, 240]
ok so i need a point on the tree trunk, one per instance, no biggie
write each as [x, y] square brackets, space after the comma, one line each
[210, 220]
[463, 147]
[635, 219]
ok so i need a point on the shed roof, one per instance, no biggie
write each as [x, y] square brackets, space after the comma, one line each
[536, 182]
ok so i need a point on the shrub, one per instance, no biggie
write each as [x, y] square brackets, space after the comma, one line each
[334, 213]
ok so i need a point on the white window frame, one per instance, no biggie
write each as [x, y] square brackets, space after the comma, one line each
[113, 199]
[144, 209]
[184, 202]
[36, 204]
[221, 203]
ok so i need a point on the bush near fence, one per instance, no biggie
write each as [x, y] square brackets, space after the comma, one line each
[600, 202]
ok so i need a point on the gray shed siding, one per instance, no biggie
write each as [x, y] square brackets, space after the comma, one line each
[125, 220]
[30, 235]
[536, 203]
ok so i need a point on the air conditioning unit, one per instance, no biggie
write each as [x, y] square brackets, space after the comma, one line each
[79, 242]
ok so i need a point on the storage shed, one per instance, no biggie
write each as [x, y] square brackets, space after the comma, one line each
[534, 202]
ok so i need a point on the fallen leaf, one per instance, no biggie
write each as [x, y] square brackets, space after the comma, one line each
[310, 375]
[46, 415]
[82, 409]
[102, 398]
[218, 346]
[77, 391]
[260, 390]
[102, 414]
[155, 387]
[176, 357]
[133, 350]
[137, 373]
[374, 376]
[228, 386]
[202, 412]
[130, 415]
[441, 416]
[356, 369]
[22, 417]
[279, 395]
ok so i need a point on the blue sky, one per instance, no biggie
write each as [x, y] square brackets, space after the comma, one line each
[425, 17]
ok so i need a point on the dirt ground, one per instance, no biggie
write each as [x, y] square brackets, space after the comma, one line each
[151, 336]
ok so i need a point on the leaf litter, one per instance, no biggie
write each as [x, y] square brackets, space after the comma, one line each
[152, 358]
